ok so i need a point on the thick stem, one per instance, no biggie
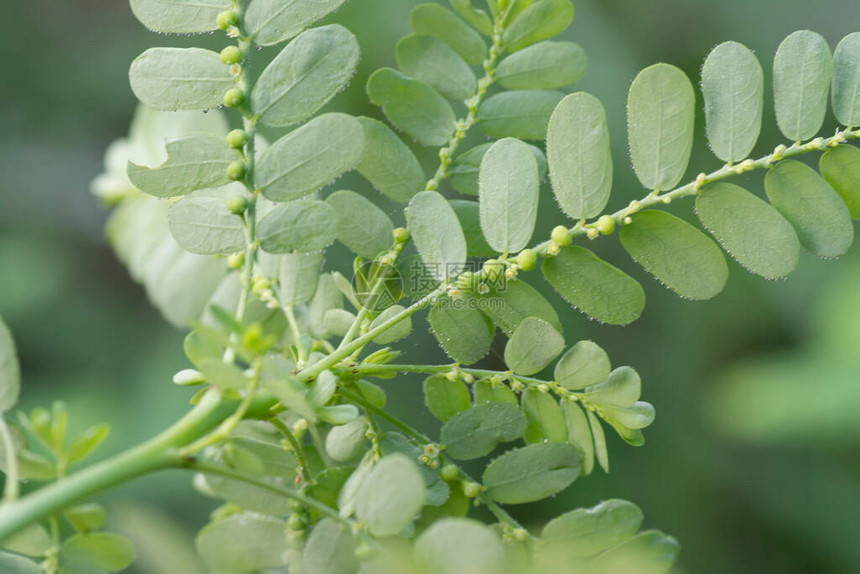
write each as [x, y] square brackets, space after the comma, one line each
[10, 491]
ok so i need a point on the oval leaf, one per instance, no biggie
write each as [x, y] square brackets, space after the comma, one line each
[437, 234]
[532, 473]
[749, 229]
[305, 75]
[431, 60]
[817, 213]
[465, 169]
[652, 552]
[298, 226]
[543, 19]
[508, 196]
[180, 79]
[99, 550]
[676, 253]
[580, 161]
[204, 225]
[459, 545]
[388, 163]
[476, 432]
[469, 214]
[583, 365]
[243, 543]
[733, 86]
[330, 549]
[273, 21]
[802, 70]
[660, 119]
[462, 330]
[439, 22]
[391, 495]
[590, 531]
[520, 114]
[544, 66]
[298, 274]
[598, 289]
[545, 421]
[533, 346]
[511, 302]
[846, 80]
[10, 371]
[446, 398]
[179, 16]
[579, 434]
[840, 166]
[310, 157]
[361, 225]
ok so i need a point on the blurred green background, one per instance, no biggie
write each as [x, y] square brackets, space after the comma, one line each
[752, 463]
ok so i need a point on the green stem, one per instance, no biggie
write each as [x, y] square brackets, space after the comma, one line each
[10, 490]
[299, 451]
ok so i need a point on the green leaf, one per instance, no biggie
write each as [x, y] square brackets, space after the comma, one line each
[545, 421]
[34, 540]
[12, 564]
[488, 392]
[180, 79]
[580, 161]
[543, 19]
[840, 166]
[621, 389]
[600, 450]
[545, 66]
[338, 321]
[579, 434]
[460, 545]
[802, 70]
[10, 371]
[635, 417]
[326, 298]
[413, 106]
[462, 330]
[680, 256]
[195, 161]
[468, 213]
[477, 18]
[437, 234]
[477, 431]
[242, 543]
[522, 114]
[221, 374]
[87, 516]
[583, 365]
[202, 224]
[388, 163]
[650, 552]
[431, 60]
[391, 495]
[97, 550]
[361, 225]
[508, 196]
[439, 22]
[590, 531]
[273, 21]
[533, 346]
[660, 120]
[733, 86]
[305, 75]
[301, 226]
[179, 16]
[87, 442]
[846, 80]
[532, 473]
[397, 331]
[330, 549]
[446, 398]
[595, 287]
[298, 276]
[817, 213]
[465, 169]
[508, 304]
[346, 442]
[749, 229]
[310, 157]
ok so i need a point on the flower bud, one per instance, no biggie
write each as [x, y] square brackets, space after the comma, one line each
[527, 259]
[236, 171]
[231, 55]
[227, 19]
[234, 98]
[561, 236]
[237, 204]
[237, 139]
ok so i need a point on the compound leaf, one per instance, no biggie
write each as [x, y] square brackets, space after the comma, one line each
[595, 287]
[465, 169]
[388, 163]
[439, 22]
[179, 16]
[305, 75]
[431, 60]
[474, 16]
[298, 226]
[522, 114]
[413, 106]
[508, 304]
[544, 66]
[243, 543]
[203, 224]
[817, 213]
[733, 86]
[749, 229]
[802, 70]
[621, 389]
[437, 234]
[533, 346]
[508, 196]
[446, 398]
[660, 120]
[330, 549]
[272, 21]
[310, 157]
[532, 473]
[180, 79]
[580, 161]
[545, 421]
[361, 225]
[676, 253]
[460, 545]
[468, 212]
[397, 331]
[391, 495]
[462, 330]
[583, 365]
[541, 20]
[298, 274]
[590, 531]
[477, 431]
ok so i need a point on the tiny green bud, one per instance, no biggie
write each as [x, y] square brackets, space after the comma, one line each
[450, 472]
[527, 259]
[188, 377]
[494, 269]
[237, 139]
[561, 235]
[236, 171]
[606, 224]
[297, 505]
[237, 204]
[231, 55]
[471, 489]
[401, 235]
[296, 522]
[234, 98]
[227, 19]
